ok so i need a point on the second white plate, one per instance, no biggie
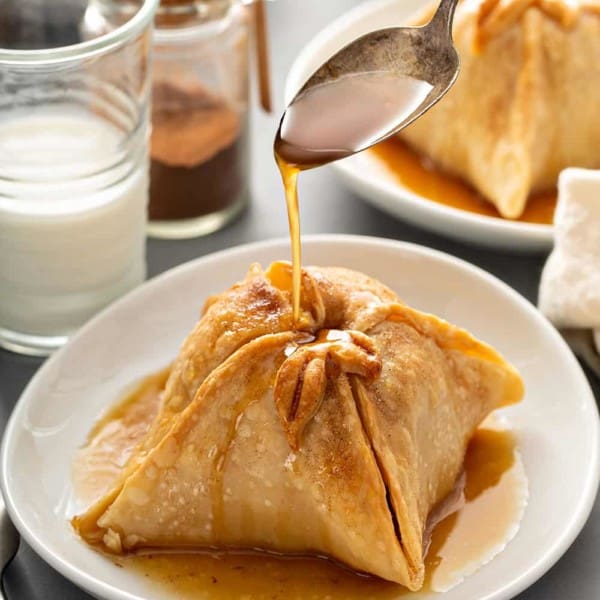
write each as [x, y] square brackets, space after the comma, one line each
[365, 175]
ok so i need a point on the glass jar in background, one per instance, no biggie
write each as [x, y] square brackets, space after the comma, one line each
[74, 127]
[199, 177]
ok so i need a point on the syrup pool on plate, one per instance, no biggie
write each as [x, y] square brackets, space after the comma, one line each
[495, 489]
[419, 175]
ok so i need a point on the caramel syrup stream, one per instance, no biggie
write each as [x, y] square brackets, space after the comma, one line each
[289, 174]
[331, 121]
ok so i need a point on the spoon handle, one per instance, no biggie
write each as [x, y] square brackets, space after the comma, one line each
[444, 16]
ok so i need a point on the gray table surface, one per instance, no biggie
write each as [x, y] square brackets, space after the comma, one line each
[326, 208]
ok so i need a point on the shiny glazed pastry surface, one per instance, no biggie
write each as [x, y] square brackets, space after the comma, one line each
[525, 104]
[338, 439]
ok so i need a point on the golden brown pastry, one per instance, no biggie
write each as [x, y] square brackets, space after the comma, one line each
[337, 440]
[525, 105]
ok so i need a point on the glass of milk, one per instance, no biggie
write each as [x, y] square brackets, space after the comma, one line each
[74, 94]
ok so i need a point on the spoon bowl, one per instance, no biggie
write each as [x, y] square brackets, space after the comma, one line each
[420, 55]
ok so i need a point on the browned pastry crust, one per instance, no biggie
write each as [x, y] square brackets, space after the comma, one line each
[335, 440]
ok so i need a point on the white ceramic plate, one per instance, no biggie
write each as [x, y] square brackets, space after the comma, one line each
[556, 425]
[368, 177]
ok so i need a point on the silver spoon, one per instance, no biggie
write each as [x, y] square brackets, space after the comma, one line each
[422, 54]
[9, 544]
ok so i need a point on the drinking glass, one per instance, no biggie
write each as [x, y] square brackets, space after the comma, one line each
[74, 130]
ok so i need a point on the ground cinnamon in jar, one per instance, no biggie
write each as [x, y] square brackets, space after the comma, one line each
[198, 152]
[199, 174]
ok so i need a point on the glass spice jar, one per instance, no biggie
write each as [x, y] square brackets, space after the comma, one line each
[199, 144]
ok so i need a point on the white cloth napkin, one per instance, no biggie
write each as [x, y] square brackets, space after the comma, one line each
[570, 287]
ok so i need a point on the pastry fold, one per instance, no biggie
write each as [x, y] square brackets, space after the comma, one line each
[337, 440]
[525, 105]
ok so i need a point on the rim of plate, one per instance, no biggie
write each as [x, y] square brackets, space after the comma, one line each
[541, 235]
[545, 560]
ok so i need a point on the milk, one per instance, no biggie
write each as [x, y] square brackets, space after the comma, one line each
[73, 196]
